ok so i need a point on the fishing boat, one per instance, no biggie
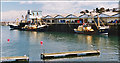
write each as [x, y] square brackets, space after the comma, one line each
[33, 20]
[84, 29]
[29, 27]
[101, 27]
[35, 27]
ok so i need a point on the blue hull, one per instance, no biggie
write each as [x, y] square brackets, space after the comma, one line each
[102, 31]
[84, 32]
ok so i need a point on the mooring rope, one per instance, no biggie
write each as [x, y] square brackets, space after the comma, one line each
[70, 26]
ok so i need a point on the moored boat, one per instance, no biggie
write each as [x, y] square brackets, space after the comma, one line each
[14, 26]
[29, 27]
[34, 27]
[103, 30]
[101, 27]
[33, 20]
[84, 29]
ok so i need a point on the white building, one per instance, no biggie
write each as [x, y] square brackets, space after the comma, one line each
[34, 16]
[75, 18]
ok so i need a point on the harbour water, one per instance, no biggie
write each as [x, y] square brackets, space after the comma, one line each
[28, 43]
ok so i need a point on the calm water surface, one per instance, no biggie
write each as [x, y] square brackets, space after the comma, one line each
[28, 43]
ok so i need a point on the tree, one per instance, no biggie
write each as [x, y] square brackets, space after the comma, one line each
[102, 9]
[97, 10]
[93, 10]
[108, 10]
[82, 12]
[114, 9]
[86, 11]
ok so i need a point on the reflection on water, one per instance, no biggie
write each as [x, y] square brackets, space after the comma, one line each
[89, 39]
[28, 43]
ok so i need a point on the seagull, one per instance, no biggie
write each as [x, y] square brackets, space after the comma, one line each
[92, 45]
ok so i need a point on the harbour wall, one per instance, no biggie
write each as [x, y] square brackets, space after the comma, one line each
[69, 27]
[114, 29]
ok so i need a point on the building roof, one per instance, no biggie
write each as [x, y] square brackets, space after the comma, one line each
[77, 14]
[84, 16]
[71, 16]
[116, 15]
[48, 16]
[59, 16]
[102, 15]
[110, 13]
[87, 15]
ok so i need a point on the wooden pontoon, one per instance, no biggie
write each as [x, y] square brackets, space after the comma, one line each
[69, 54]
[15, 58]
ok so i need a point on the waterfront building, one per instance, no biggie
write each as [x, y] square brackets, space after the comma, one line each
[113, 16]
[103, 17]
[68, 18]
[48, 19]
[36, 16]
[85, 18]
[71, 18]
[59, 18]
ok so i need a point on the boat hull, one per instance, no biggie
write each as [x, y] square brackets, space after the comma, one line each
[103, 31]
[84, 32]
[41, 29]
[14, 27]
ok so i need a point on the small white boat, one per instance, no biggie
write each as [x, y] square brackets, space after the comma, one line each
[14, 26]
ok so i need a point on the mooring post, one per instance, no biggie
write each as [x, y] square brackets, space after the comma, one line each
[43, 51]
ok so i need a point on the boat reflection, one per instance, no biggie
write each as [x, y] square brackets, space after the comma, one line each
[89, 39]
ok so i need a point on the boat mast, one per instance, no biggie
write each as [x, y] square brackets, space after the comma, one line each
[102, 22]
[40, 17]
[17, 21]
[98, 21]
[40, 21]
[94, 20]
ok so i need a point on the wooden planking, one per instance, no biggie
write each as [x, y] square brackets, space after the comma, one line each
[73, 52]
[69, 54]
[14, 58]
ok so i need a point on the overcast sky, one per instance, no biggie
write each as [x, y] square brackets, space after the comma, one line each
[15, 9]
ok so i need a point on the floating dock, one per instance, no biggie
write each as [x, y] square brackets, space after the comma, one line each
[69, 54]
[15, 58]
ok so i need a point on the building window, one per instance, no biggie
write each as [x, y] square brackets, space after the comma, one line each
[48, 21]
[52, 21]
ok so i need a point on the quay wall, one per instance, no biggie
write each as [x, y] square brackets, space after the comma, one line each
[69, 28]
[114, 29]
[63, 27]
